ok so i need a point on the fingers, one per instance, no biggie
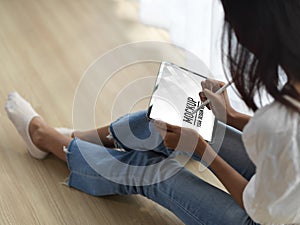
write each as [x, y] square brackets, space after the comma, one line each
[209, 94]
[207, 84]
[212, 85]
[166, 127]
[168, 132]
[212, 97]
[203, 98]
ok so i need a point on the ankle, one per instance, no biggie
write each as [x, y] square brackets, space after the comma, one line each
[38, 137]
[38, 132]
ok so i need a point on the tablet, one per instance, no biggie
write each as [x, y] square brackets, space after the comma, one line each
[176, 96]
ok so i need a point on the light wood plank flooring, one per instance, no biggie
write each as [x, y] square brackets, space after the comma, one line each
[45, 47]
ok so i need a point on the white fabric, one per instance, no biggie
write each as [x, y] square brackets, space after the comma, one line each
[21, 113]
[272, 140]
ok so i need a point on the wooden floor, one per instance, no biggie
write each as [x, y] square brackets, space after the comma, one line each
[45, 47]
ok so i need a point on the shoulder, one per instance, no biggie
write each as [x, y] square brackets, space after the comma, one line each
[270, 131]
[272, 140]
[274, 118]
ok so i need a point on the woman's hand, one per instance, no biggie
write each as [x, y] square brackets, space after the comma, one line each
[180, 138]
[219, 103]
[188, 140]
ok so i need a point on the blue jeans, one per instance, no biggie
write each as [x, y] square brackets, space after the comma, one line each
[148, 168]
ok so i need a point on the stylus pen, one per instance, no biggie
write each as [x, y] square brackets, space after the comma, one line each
[219, 91]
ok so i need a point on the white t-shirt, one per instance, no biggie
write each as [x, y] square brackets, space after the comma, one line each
[272, 140]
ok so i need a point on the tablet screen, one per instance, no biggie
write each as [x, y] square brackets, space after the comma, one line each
[176, 96]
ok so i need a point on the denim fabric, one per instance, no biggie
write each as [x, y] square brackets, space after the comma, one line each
[148, 168]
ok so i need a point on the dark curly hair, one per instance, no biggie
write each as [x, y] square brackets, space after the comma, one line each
[259, 36]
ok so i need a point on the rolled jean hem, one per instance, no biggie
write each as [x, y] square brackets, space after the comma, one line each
[67, 150]
[69, 153]
[113, 138]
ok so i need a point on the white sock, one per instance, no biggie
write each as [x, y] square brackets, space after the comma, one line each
[20, 112]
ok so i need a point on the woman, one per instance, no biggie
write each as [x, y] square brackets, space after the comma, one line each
[268, 36]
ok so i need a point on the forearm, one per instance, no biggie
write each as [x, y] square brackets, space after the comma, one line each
[237, 120]
[229, 177]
